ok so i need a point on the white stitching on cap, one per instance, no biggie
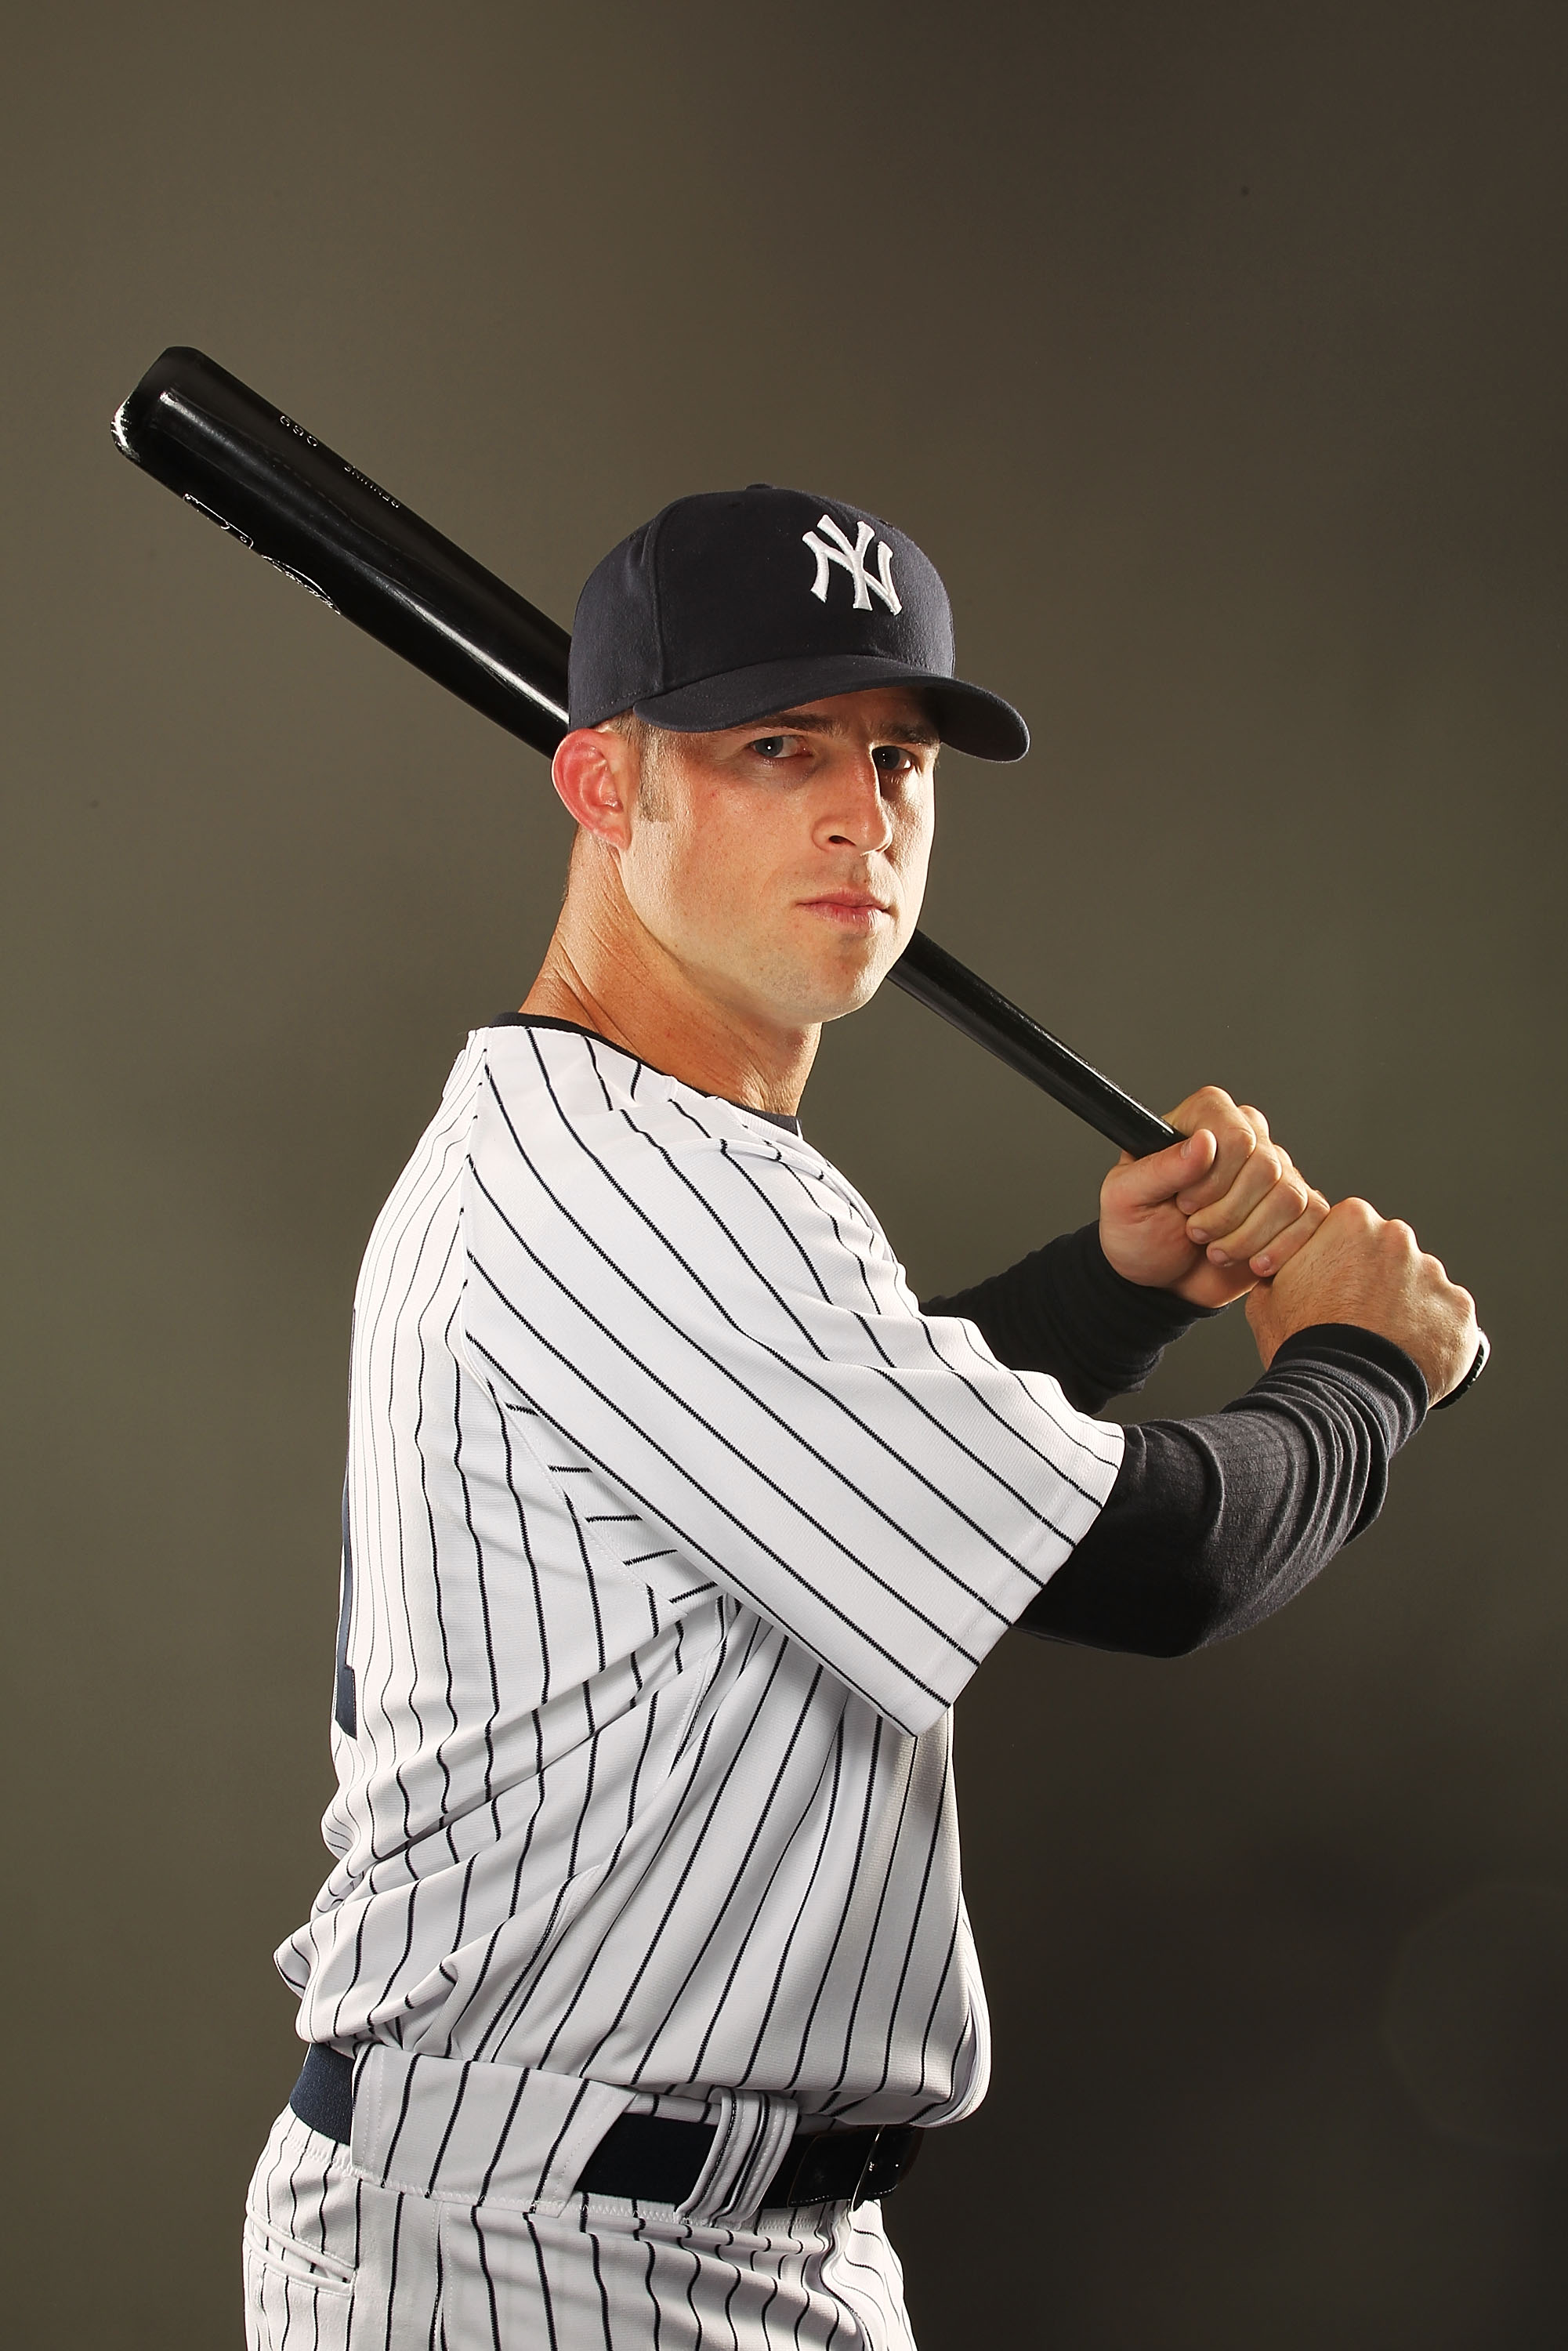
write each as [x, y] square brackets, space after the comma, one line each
[853, 560]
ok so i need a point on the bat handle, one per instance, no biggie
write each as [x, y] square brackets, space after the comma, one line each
[945, 985]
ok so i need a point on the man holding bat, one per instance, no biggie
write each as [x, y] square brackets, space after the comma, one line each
[673, 1524]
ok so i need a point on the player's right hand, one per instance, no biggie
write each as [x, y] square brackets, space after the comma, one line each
[1361, 1268]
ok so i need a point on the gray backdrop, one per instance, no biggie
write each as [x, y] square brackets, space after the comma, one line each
[1217, 353]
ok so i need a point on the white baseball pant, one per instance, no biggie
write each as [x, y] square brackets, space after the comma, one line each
[335, 2263]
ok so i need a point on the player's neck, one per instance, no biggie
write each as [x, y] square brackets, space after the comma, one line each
[631, 991]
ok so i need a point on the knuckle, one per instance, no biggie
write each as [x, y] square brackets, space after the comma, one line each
[1213, 1108]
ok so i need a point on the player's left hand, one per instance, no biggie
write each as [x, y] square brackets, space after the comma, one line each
[1210, 1217]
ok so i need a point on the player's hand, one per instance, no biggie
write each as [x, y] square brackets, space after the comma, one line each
[1361, 1268]
[1210, 1217]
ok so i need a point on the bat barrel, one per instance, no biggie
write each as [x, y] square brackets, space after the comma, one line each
[251, 468]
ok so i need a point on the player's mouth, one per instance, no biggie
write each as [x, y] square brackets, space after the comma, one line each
[851, 910]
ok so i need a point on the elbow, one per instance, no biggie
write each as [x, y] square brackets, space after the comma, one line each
[1170, 1644]
[1188, 1620]
[1153, 1621]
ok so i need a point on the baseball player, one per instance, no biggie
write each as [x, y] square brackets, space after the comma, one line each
[673, 1525]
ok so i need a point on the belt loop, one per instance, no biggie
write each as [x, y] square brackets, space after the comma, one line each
[754, 2129]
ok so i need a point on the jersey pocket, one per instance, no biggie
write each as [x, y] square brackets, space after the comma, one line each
[289, 2285]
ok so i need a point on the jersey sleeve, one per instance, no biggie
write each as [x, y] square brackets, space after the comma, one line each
[706, 1313]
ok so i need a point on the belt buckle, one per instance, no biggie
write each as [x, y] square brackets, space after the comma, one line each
[890, 2157]
[813, 2177]
[873, 2148]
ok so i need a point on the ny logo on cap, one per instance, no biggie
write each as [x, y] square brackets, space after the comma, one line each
[853, 560]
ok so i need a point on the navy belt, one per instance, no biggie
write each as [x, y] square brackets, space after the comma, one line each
[655, 2160]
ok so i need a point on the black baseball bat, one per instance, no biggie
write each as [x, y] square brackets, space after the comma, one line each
[250, 468]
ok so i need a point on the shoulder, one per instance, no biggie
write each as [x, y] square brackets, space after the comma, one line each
[572, 1090]
[569, 1123]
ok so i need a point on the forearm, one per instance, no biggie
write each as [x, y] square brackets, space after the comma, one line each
[1063, 1310]
[1214, 1523]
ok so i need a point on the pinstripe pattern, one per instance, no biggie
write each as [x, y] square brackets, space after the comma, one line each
[674, 1530]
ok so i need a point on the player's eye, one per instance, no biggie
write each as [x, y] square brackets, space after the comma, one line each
[892, 759]
[771, 747]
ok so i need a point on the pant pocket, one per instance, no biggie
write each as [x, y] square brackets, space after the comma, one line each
[295, 2294]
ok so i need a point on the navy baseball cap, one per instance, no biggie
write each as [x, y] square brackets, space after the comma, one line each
[736, 603]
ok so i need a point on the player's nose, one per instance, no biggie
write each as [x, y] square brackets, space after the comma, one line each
[856, 814]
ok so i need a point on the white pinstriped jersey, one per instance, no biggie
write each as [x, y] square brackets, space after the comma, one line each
[672, 1529]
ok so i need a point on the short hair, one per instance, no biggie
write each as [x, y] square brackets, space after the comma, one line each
[648, 742]
[636, 730]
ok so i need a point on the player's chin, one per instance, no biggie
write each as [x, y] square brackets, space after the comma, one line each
[849, 975]
[810, 990]
[856, 991]
[810, 973]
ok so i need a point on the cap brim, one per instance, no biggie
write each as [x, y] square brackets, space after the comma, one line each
[967, 716]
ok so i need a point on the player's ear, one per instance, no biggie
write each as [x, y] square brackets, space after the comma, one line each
[594, 772]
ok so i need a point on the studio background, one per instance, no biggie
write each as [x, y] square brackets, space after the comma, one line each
[1216, 355]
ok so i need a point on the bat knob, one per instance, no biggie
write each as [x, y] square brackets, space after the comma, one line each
[1483, 1357]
